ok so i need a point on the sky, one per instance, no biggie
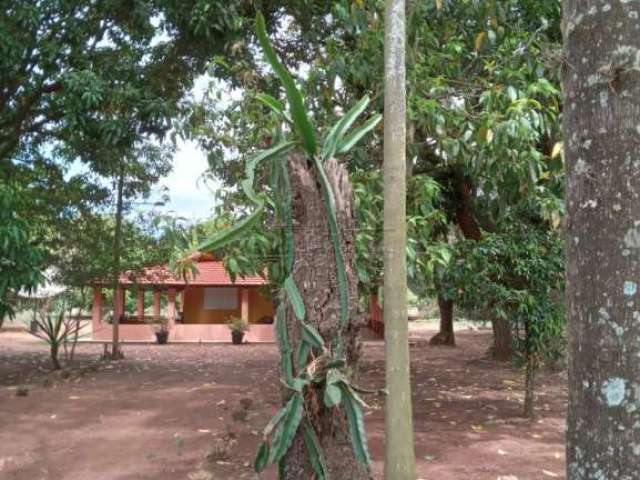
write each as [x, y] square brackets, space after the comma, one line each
[189, 197]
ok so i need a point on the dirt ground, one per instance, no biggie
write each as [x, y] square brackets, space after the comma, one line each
[178, 412]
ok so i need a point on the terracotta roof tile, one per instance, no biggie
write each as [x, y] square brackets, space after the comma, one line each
[210, 273]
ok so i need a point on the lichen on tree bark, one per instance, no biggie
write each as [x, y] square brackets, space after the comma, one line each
[601, 140]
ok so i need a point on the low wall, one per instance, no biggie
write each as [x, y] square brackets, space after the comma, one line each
[185, 333]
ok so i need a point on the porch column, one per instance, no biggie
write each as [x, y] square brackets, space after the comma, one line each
[96, 313]
[140, 304]
[156, 305]
[244, 310]
[118, 307]
[181, 309]
[171, 307]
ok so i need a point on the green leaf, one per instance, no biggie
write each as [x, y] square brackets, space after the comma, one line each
[223, 237]
[295, 298]
[316, 455]
[332, 395]
[335, 135]
[282, 335]
[355, 136]
[287, 210]
[298, 384]
[356, 427]
[301, 121]
[312, 336]
[275, 420]
[303, 353]
[274, 104]
[287, 429]
[254, 161]
[262, 457]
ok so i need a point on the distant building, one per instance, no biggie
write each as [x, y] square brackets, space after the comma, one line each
[197, 310]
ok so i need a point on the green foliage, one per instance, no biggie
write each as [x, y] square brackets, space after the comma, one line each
[287, 422]
[298, 111]
[287, 427]
[236, 324]
[367, 187]
[316, 454]
[21, 259]
[517, 274]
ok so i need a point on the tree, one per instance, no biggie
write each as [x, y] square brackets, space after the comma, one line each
[21, 259]
[516, 275]
[320, 429]
[482, 114]
[400, 455]
[601, 118]
[134, 174]
[67, 67]
[97, 83]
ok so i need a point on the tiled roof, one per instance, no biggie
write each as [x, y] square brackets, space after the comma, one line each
[210, 273]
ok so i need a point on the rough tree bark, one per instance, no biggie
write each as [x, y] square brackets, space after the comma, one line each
[601, 140]
[314, 272]
[400, 455]
[445, 336]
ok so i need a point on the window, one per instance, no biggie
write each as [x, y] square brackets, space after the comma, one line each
[220, 298]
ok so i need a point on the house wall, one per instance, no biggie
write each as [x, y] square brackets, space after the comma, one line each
[259, 306]
[194, 311]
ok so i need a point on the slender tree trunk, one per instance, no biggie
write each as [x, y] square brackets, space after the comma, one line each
[54, 356]
[116, 354]
[529, 387]
[76, 335]
[314, 272]
[602, 142]
[530, 368]
[445, 336]
[400, 455]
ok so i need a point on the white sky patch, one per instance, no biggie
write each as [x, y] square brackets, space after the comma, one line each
[189, 197]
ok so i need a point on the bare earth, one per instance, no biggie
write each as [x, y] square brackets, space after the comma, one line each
[175, 412]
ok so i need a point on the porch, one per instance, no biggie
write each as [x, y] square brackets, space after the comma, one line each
[197, 311]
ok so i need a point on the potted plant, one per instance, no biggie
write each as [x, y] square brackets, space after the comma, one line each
[161, 331]
[238, 327]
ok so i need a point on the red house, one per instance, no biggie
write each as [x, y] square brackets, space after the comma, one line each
[197, 310]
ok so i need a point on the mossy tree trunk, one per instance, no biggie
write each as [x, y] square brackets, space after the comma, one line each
[314, 272]
[601, 117]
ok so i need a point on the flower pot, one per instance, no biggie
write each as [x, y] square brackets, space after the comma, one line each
[236, 337]
[162, 337]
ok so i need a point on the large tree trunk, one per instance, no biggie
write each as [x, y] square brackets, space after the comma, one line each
[445, 336]
[602, 139]
[315, 274]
